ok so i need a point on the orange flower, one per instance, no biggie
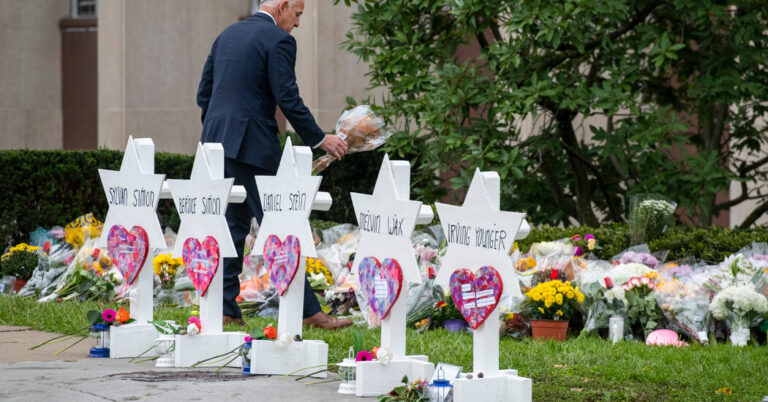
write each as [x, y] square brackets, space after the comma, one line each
[374, 352]
[270, 332]
[122, 315]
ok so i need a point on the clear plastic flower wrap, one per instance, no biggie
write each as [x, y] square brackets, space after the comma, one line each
[551, 258]
[422, 298]
[640, 254]
[600, 303]
[49, 273]
[684, 300]
[741, 307]
[363, 131]
[649, 217]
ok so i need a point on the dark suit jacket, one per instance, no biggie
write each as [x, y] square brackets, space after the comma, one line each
[249, 71]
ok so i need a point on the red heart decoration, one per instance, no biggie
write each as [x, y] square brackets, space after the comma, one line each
[476, 296]
[128, 251]
[201, 261]
[282, 261]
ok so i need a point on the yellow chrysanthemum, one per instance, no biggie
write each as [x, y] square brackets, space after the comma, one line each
[559, 298]
[591, 244]
[579, 297]
[541, 310]
[652, 274]
[559, 312]
[569, 294]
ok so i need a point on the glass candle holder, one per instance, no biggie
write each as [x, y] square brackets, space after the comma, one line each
[616, 328]
[100, 332]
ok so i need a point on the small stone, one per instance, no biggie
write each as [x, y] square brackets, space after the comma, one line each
[480, 375]
[469, 376]
[297, 338]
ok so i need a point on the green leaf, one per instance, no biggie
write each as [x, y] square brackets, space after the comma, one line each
[94, 316]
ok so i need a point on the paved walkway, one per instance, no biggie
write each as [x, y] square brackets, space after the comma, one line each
[38, 375]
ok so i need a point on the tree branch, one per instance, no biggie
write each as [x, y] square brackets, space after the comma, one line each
[754, 215]
[570, 51]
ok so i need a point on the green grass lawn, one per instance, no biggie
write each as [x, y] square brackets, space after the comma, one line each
[578, 369]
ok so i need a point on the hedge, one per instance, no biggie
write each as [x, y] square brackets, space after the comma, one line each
[711, 244]
[49, 188]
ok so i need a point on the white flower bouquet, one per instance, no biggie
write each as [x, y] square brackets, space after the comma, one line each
[738, 306]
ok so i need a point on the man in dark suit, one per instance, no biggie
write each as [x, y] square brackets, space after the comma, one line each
[249, 72]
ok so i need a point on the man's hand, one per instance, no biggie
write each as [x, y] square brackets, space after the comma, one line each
[334, 145]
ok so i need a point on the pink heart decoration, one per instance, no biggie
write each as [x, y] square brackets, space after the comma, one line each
[476, 296]
[128, 250]
[201, 261]
[282, 261]
[380, 284]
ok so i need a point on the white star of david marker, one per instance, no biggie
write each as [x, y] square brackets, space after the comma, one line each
[386, 221]
[286, 200]
[478, 234]
[132, 196]
[202, 202]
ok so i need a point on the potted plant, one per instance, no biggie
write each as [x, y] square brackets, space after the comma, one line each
[20, 262]
[549, 306]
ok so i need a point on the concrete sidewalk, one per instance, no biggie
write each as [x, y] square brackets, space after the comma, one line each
[38, 375]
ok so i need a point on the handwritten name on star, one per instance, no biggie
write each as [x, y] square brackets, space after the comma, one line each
[131, 197]
[370, 222]
[480, 237]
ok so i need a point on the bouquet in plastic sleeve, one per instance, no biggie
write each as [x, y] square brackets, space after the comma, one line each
[551, 258]
[49, 273]
[649, 217]
[602, 299]
[640, 254]
[424, 301]
[739, 306]
[363, 131]
[736, 270]
[684, 301]
[642, 308]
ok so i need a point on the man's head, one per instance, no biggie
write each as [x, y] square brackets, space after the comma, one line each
[285, 12]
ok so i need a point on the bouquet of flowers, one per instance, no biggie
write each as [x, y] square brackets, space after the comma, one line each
[584, 245]
[551, 259]
[363, 131]
[649, 217]
[738, 306]
[642, 309]
[552, 300]
[685, 304]
[735, 270]
[166, 267]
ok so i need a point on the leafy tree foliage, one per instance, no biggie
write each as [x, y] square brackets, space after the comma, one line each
[576, 104]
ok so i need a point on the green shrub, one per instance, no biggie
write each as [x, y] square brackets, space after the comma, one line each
[709, 244]
[49, 188]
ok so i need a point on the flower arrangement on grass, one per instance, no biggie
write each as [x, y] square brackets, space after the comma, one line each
[320, 278]
[738, 306]
[552, 300]
[165, 267]
[20, 261]
[642, 307]
[445, 310]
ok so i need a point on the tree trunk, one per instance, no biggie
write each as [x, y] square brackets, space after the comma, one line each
[584, 211]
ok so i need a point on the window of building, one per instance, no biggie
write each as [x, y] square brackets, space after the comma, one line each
[83, 8]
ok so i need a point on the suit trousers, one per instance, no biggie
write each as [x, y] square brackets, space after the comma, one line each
[239, 221]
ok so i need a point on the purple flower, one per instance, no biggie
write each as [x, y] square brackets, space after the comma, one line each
[578, 252]
[589, 236]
